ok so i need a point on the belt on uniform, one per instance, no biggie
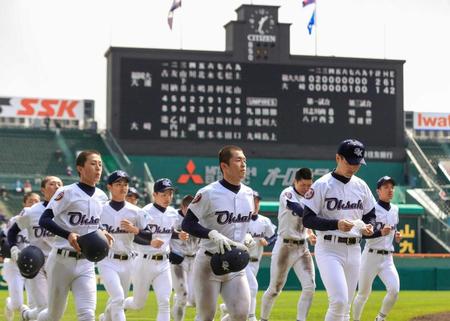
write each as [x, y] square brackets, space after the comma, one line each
[193, 255]
[296, 242]
[69, 253]
[156, 257]
[383, 252]
[208, 253]
[346, 240]
[121, 257]
[254, 259]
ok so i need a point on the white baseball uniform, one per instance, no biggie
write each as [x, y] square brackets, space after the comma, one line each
[152, 266]
[377, 259]
[43, 239]
[290, 251]
[12, 276]
[182, 276]
[338, 254]
[115, 270]
[75, 211]
[219, 208]
[260, 227]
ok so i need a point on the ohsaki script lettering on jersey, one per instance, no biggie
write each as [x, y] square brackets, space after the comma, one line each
[158, 229]
[76, 218]
[39, 232]
[113, 230]
[225, 217]
[336, 204]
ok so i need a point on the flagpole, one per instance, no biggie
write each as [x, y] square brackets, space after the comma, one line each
[315, 33]
[181, 27]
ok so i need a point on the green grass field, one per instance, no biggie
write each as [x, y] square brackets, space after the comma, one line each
[409, 305]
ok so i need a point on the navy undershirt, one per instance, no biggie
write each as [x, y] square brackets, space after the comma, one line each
[117, 205]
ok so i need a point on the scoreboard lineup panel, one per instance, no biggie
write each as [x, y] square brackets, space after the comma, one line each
[183, 100]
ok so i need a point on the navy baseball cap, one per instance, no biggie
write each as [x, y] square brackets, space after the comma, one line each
[116, 175]
[162, 185]
[353, 151]
[384, 180]
[256, 195]
[132, 191]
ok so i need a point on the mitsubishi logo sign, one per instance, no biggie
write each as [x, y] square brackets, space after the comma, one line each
[184, 178]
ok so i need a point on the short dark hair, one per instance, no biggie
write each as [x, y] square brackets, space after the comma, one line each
[26, 196]
[186, 200]
[225, 154]
[46, 179]
[303, 173]
[82, 157]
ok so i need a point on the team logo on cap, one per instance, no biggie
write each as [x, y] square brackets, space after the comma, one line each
[358, 152]
[197, 198]
[309, 194]
[59, 196]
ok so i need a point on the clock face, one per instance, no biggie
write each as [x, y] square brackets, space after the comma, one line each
[262, 21]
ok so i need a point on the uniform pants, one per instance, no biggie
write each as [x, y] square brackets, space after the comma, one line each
[338, 265]
[16, 283]
[233, 287]
[374, 264]
[284, 257]
[251, 271]
[182, 284]
[65, 274]
[153, 273]
[116, 277]
[39, 291]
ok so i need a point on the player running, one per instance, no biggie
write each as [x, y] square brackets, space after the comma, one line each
[377, 258]
[39, 237]
[11, 273]
[291, 249]
[152, 265]
[220, 215]
[182, 257]
[340, 207]
[123, 220]
[73, 211]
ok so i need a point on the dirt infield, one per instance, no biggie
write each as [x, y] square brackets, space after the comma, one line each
[433, 317]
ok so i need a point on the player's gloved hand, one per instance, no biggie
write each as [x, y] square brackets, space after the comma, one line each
[249, 242]
[14, 253]
[223, 242]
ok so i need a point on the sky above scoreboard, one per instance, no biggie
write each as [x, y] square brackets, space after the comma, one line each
[55, 49]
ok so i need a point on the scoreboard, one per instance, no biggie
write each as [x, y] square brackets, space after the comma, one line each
[165, 101]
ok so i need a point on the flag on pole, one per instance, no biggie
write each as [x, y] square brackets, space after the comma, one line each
[307, 2]
[312, 22]
[175, 4]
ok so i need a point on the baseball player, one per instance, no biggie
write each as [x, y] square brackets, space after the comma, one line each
[123, 220]
[152, 266]
[220, 215]
[341, 208]
[262, 230]
[182, 260]
[39, 237]
[377, 258]
[291, 249]
[11, 273]
[73, 211]
[132, 196]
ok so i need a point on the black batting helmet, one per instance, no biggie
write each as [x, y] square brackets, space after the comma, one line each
[30, 261]
[175, 258]
[231, 261]
[94, 245]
